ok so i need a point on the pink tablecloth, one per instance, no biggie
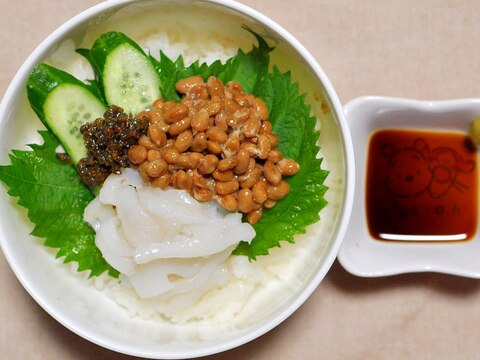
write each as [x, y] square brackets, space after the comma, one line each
[407, 48]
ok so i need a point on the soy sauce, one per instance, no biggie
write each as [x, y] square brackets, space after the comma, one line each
[421, 186]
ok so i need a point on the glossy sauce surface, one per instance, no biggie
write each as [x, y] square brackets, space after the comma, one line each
[421, 186]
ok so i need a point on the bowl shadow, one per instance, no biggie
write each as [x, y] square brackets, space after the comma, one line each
[78, 347]
[449, 285]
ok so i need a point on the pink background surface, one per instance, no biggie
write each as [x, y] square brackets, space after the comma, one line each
[427, 50]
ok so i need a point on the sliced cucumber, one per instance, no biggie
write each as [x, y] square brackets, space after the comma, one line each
[63, 103]
[128, 77]
[75, 107]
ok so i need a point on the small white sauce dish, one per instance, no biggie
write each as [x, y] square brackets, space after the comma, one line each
[365, 256]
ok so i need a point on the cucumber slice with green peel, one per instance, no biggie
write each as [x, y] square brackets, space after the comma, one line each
[63, 103]
[127, 75]
[76, 107]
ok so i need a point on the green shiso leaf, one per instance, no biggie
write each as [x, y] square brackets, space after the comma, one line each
[295, 127]
[172, 71]
[245, 68]
[55, 198]
[248, 68]
[94, 85]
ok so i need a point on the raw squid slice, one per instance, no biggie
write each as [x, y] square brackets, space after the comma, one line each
[166, 244]
[123, 264]
[96, 212]
[113, 239]
[169, 277]
[202, 240]
[174, 206]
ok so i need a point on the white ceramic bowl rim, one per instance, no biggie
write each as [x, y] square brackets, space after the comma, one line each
[40, 52]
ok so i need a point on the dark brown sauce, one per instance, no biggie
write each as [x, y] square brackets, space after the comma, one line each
[421, 186]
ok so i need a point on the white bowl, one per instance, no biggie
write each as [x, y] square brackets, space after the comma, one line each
[76, 303]
[361, 254]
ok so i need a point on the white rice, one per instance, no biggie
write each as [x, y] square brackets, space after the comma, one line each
[208, 52]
